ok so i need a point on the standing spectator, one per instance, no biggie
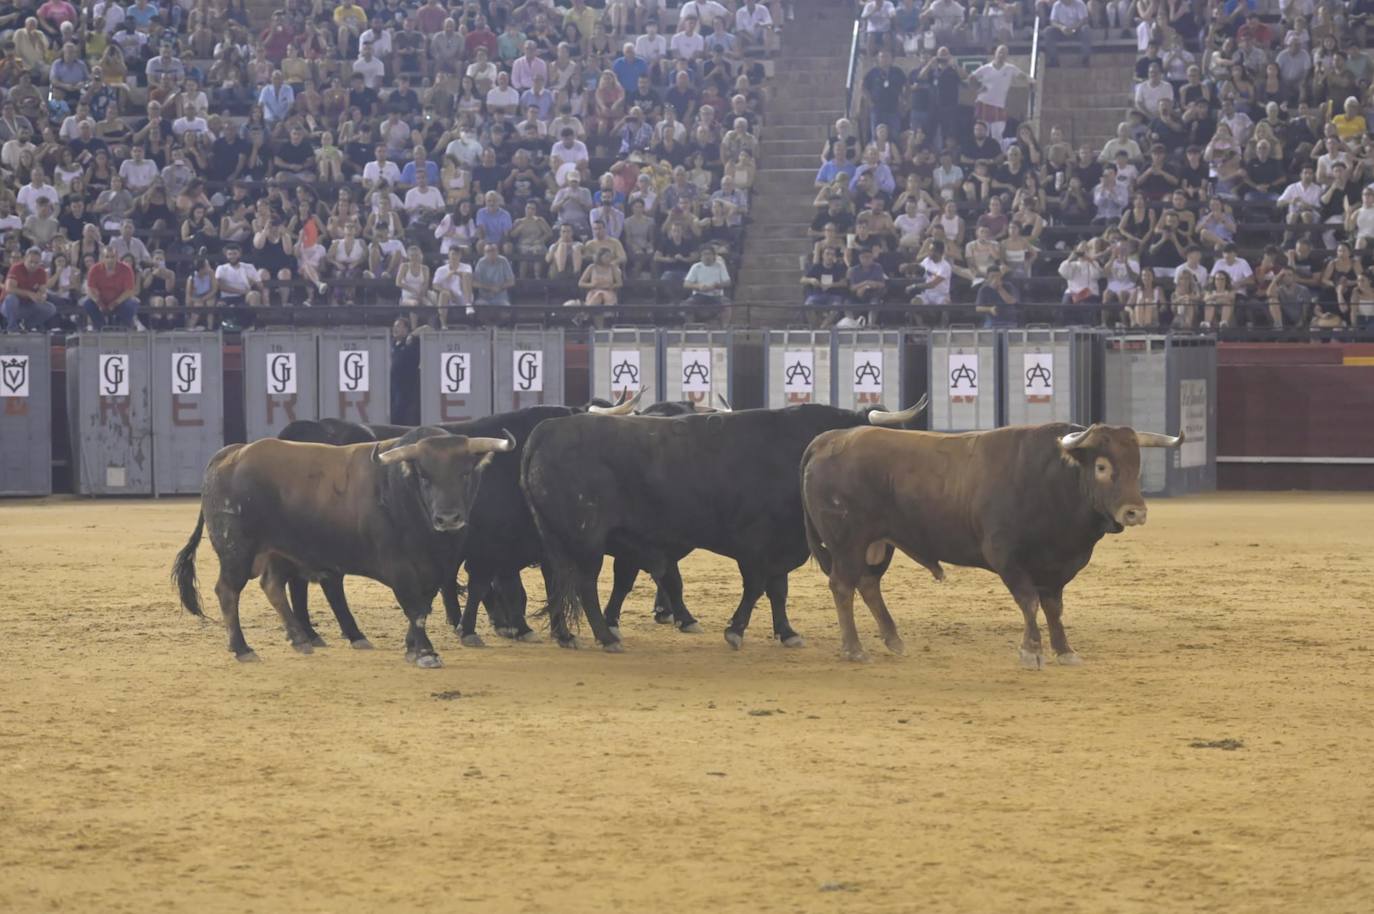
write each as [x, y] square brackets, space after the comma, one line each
[26, 305]
[994, 80]
[111, 293]
[493, 278]
[883, 86]
[405, 372]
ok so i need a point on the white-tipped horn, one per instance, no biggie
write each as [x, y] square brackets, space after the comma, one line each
[1074, 439]
[492, 445]
[703, 408]
[725, 406]
[1155, 439]
[396, 454]
[884, 417]
[624, 407]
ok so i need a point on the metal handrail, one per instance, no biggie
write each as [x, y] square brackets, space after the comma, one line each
[1034, 61]
[853, 71]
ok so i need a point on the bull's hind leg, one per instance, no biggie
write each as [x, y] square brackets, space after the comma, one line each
[233, 577]
[1052, 601]
[591, 605]
[755, 583]
[843, 592]
[338, 602]
[623, 581]
[777, 600]
[1028, 599]
[274, 578]
[870, 588]
[510, 590]
[479, 588]
[298, 589]
[670, 592]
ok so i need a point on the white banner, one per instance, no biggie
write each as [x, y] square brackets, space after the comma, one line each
[455, 373]
[1192, 410]
[696, 371]
[963, 374]
[625, 372]
[281, 373]
[186, 374]
[14, 376]
[114, 375]
[528, 366]
[354, 377]
[799, 371]
[1038, 374]
[868, 371]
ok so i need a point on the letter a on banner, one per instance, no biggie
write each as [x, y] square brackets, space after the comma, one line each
[799, 374]
[114, 374]
[868, 371]
[353, 373]
[528, 371]
[625, 371]
[186, 374]
[455, 373]
[963, 377]
[696, 371]
[281, 373]
[14, 376]
[1038, 374]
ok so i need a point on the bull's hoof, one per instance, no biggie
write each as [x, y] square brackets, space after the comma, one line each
[505, 631]
[663, 616]
[303, 647]
[472, 640]
[247, 657]
[734, 639]
[896, 645]
[614, 630]
[529, 637]
[428, 661]
[614, 647]
[362, 644]
[854, 655]
[1069, 658]
[569, 643]
[793, 640]
[1032, 660]
[691, 628]
[317, 641]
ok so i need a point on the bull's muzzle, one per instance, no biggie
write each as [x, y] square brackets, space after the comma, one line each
[1131, 515]
[449, 523]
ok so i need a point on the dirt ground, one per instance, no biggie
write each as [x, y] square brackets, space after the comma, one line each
[142, 769]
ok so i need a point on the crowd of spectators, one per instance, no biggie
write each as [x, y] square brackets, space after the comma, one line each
[173, 163]
[1238, 189]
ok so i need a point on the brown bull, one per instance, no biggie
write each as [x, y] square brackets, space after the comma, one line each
[392, 511]
[1028, 503]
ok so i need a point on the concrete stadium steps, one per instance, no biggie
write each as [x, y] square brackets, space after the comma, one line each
[1088, 103]
[808, 97]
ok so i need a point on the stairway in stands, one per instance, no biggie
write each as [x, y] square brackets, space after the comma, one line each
[1088, 103]
[808, 97]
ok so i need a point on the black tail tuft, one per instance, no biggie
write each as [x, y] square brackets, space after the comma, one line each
[184, 570]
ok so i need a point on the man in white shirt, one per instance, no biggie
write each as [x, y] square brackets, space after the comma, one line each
[38, 189]
[569, 150]
[370, 67]
[466, 149]
[994, 80]
[1235, 267]
[707, 280]
[378, 37]
[934, 289]
[380, 169]
[877, 16]
[687, 43]
[237, 283]
[138, 172]
[1081, 275]
[1069, 22]
[1303, 197]
[1151, 92]
[651, 46]
[190, 123]
[453, 283]
[527, 68]
[424, 198]
[704, 11]
[502, 99]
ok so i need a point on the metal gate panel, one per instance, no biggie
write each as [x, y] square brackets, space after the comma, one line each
[455, 376]
[355, 375]
[696, 365]
[25, 414]
[280, 380]
[625, 359]
[964, 379]
[188, 409]
[527, 364]
[109, 411]
[869, 365]
[798, 368]
[1048, 375]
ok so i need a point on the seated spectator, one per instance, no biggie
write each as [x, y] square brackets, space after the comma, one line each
[708, 280]
[601, 280]
[27, 304]
[111, 293]
[867, 283]
[997, 299]
[492, 278]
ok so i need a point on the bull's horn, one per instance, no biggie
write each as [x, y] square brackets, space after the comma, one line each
[883, 417]
[703, 408]
[490, 445]
[1155, 439]
[1074, 439]
[396, 454]
[725, 406]
[623, 407]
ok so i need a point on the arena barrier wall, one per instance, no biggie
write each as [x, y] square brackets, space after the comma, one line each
[109, 409]
[626, 360]
[26, 432]
[869, 365]
[455, 376]
[188, 409]
[1049, 375]
[697, 365]
[797, 368]
[280, 380]
[355, 374]
[1166, 383]
[527, 364]
[964, 379]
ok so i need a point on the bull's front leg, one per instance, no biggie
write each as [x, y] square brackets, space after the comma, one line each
[1028, 599]
[416, 604]
[777, 599]
[1052, 601]
[509, 590]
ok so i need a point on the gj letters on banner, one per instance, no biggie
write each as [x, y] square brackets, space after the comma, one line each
[455, 374]
[14, 376]
[281, 373]
[528, 370]
[625, 371]
[798, 371]
[1038, 373]
[353, 373]
[696, 371]
[963, 375]
[114, 374]
[186, 374]
[868, 371]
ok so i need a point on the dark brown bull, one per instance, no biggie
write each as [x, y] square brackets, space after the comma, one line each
[391, 511]
[1027, 503]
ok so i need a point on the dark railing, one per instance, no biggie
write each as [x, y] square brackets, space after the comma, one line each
[851, 74]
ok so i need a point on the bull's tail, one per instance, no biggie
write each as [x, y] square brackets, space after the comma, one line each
[184, 569]
[813, 536]
[562, 606]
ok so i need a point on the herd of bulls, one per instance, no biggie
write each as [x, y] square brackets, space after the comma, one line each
[563, 487]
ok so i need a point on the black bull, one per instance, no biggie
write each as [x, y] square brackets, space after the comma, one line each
[650, 490]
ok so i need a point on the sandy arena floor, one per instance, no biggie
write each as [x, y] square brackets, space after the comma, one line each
[142, 769]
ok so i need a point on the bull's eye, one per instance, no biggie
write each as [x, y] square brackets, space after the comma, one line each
[1103, 468]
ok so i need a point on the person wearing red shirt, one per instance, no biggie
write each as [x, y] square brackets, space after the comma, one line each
[277, 37]
[110, 292]
[26, 304]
